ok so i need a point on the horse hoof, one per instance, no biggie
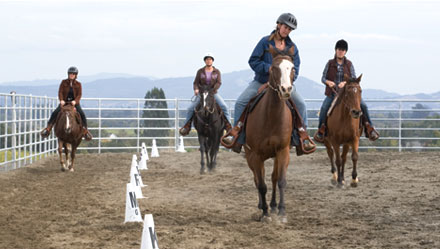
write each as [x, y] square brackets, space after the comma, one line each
[354, 183]
[63, 169]
[202, 171]
[71, 170]
[266, 219]
[273, 210]
[340, 185]
[283, 219]
[333, 182]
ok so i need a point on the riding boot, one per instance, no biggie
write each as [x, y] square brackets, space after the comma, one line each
[46, 131]
[186, 128]
[319, 135]
[87, 135]
[370, 132]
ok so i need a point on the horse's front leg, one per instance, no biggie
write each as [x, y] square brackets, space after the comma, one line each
[273, 202]
[338, 162]
[330, 154]
[354, 158]
[257, 166]
[345, 149]
[68, 149]
[60, 153]
[72, 155]
[283, 158]
[202, 154]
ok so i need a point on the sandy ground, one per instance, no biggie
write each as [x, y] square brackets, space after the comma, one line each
[396, 205]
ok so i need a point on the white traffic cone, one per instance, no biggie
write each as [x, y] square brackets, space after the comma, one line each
[134, 180]
[144, 158]
[144, 151]
[154, 150]
[149, 238]
[181, 147]
[132, 211]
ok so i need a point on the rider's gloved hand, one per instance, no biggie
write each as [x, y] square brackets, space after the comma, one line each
[62, 103]
[73, 103]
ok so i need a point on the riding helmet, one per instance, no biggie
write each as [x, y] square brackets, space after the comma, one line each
[288, 19]
[209, 54]
[72, 70]
[342, 45]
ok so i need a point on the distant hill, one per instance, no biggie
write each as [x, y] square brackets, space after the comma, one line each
[128, 86]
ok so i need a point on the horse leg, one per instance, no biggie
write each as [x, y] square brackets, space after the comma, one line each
[257, 166]
[283, 158]
[354, 158]
[202, 154]
[330, 154]
[213, 153]
[60, 153]
[273, 202]
[338, 164]
[72, 155]
[68, 148]
[345, 149]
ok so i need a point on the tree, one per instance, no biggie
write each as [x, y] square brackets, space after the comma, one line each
[150, 112]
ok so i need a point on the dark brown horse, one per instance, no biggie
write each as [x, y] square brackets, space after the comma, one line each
[344, 129]
[69, 131]
[268, 133]
[209, 125]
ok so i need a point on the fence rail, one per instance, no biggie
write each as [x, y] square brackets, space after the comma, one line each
[122, 124]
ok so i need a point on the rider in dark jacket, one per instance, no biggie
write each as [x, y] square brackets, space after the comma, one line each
[70, 91]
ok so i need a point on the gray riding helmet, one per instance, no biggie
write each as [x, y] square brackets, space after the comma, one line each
[288, 19]
[72, 70]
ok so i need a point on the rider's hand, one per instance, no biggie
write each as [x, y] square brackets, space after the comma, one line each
[73, 103]
[196, 91]
[342, 84]
[331, 84]
[62, 103]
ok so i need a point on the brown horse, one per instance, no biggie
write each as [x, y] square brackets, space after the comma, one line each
[69, 131]
[344, 129]
[268, 133]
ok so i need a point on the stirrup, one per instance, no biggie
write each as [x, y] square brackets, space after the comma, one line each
[303, 136]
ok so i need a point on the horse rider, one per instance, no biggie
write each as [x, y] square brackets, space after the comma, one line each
[70, 90]
[260, 62]
[207, 75]
[333, 77]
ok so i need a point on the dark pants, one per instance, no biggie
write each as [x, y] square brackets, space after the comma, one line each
[54, 115]
[328, 102]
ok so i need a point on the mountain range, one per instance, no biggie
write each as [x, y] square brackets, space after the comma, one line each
[108, 85]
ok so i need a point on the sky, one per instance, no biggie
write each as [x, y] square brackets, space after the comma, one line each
[394, 44]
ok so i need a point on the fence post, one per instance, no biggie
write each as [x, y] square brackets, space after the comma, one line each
[138, 125]
[14, 131]
[99, 125]
[176, 131]
[400, 126]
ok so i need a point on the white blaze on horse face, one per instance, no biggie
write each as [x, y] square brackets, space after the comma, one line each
[205, 94]
[286, 68]
[67, 122]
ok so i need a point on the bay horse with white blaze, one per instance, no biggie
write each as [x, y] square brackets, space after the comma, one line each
[209, 125]
[268, 133]
[343, 128]
[69, 130]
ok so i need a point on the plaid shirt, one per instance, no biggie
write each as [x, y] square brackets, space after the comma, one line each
[339, 74]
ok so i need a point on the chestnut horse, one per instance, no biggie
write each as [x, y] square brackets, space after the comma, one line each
[69, 131]
[343, 129]
[209, 125]
[268, 133]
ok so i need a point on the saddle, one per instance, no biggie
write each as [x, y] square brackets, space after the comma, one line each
[76, 113]
[299, 133]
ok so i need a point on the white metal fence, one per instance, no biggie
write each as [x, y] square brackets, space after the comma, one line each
[122, 124]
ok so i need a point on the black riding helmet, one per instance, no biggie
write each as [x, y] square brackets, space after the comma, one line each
[72, 70]
[342, 45]
[288, 19]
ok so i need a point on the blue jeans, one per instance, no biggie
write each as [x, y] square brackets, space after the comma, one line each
[328, 102]
[218, 99]
[251, 91]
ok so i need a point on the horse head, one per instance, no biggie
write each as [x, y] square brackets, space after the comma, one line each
[67, 116]
[281, 72]
[352, 94]
[207, 100]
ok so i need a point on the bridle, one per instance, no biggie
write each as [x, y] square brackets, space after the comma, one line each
[342, 99]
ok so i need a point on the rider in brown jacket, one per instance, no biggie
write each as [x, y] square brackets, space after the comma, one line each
[70, 91]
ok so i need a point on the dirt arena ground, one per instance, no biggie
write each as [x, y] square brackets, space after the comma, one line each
[396, 205]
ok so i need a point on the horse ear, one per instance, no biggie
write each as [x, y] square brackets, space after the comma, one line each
[359, 78]
[346, 78]
[272, 51]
